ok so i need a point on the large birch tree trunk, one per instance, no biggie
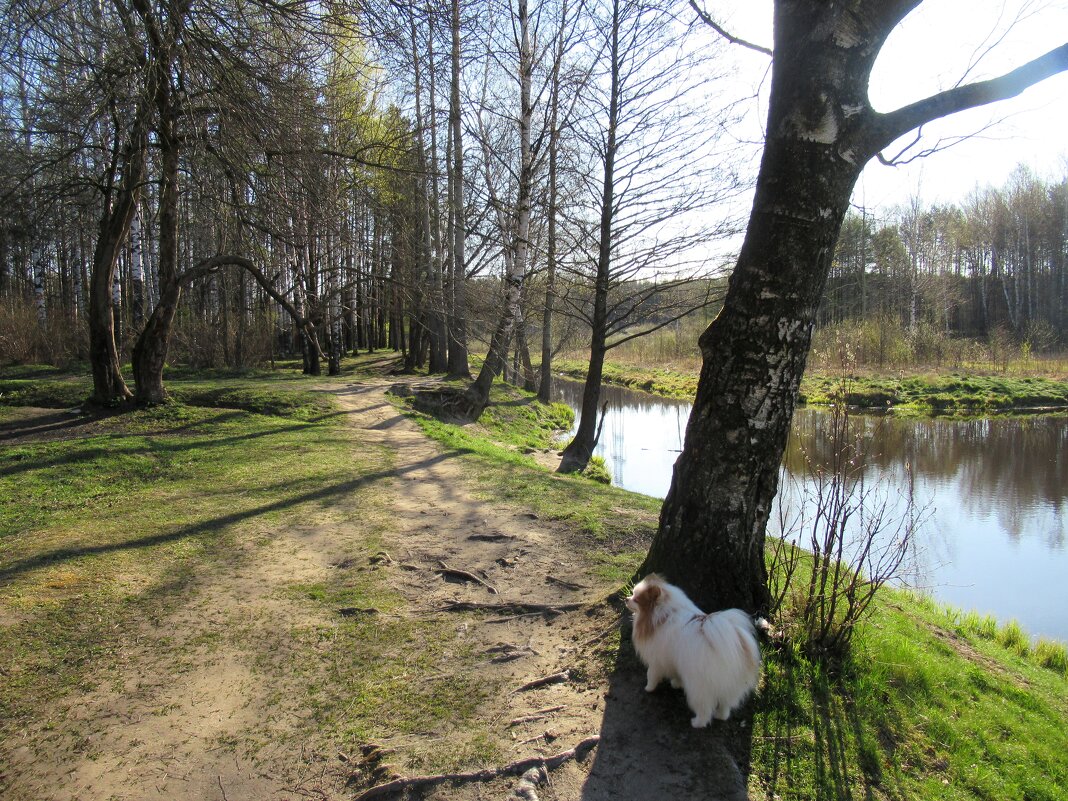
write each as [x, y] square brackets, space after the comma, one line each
[821, 131]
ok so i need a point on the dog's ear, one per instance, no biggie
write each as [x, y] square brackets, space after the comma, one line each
[652, 593]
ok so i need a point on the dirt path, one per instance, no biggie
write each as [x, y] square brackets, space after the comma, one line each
[176, 722]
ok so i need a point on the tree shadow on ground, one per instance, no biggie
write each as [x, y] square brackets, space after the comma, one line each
[809, 737]
[649, 750]
[341, 488]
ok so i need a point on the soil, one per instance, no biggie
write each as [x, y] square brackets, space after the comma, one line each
[191, 715]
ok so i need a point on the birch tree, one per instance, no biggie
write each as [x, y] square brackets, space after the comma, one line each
[821, 131]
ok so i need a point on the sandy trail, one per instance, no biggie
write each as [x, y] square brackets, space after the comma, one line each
[177, 720]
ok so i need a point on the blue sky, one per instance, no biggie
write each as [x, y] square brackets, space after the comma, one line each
[929, 52]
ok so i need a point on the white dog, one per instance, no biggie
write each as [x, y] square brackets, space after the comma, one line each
[715, 658]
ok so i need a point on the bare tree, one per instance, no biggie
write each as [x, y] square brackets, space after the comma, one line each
[656, 190]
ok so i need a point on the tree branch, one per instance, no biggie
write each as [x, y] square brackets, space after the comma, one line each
[711, 23]
[895, 124]
[213, 263]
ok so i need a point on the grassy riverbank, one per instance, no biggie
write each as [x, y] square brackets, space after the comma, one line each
[934, 703]
[110, 524]
[922, 393]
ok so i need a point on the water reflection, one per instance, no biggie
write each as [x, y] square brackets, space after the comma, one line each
[996, 538]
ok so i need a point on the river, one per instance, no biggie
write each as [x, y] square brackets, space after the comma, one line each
[995, 491]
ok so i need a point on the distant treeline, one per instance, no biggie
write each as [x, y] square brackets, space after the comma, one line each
[991, 266]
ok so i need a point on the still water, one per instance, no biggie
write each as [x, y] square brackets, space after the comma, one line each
[995, 493]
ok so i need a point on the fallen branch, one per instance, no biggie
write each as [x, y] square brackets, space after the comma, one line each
[446, 571]
[485, 775]
[548, 736]
[555, 678]
[541, 714]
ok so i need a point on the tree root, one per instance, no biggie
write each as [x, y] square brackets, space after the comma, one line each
[451, 572]
[515, 607]
[527, 789]
[485, 775]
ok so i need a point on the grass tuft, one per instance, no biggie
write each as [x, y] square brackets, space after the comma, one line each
[1052, 656]
[1012, 637]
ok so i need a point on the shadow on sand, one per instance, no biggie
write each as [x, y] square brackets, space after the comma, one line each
[648, 750]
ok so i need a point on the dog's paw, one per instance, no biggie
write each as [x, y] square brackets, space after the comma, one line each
[700, 722]
[650, 687]
[676, 684]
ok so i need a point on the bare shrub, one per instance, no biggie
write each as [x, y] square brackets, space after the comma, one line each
[205, 342]
[23, 340]
[845, 538]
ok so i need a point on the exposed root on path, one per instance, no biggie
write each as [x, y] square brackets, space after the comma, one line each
[485, 775]
[514, 607]
[451, 572]
[553, 678]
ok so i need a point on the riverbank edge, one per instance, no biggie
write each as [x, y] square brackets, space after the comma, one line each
[928, 394]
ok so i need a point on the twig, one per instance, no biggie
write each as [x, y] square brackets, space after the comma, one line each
[548, 736]
[485, 775]
[555, 678]
[541, 714]
[223, 789]
[381, 556]
[707, 20]
[445, 570]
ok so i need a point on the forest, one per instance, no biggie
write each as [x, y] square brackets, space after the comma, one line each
[992, 264]
[375, 177]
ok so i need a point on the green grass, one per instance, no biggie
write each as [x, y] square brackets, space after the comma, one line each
[515, 419]
[922, 710]
[939, 394]
[659, 381]
[99, 529]
[387, 673]
[956, 394]
[611, 518]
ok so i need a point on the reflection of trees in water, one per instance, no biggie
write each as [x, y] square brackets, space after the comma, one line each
[1015, 469]
[1012, 470]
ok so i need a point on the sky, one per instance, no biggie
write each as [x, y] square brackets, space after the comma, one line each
[927, 53]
